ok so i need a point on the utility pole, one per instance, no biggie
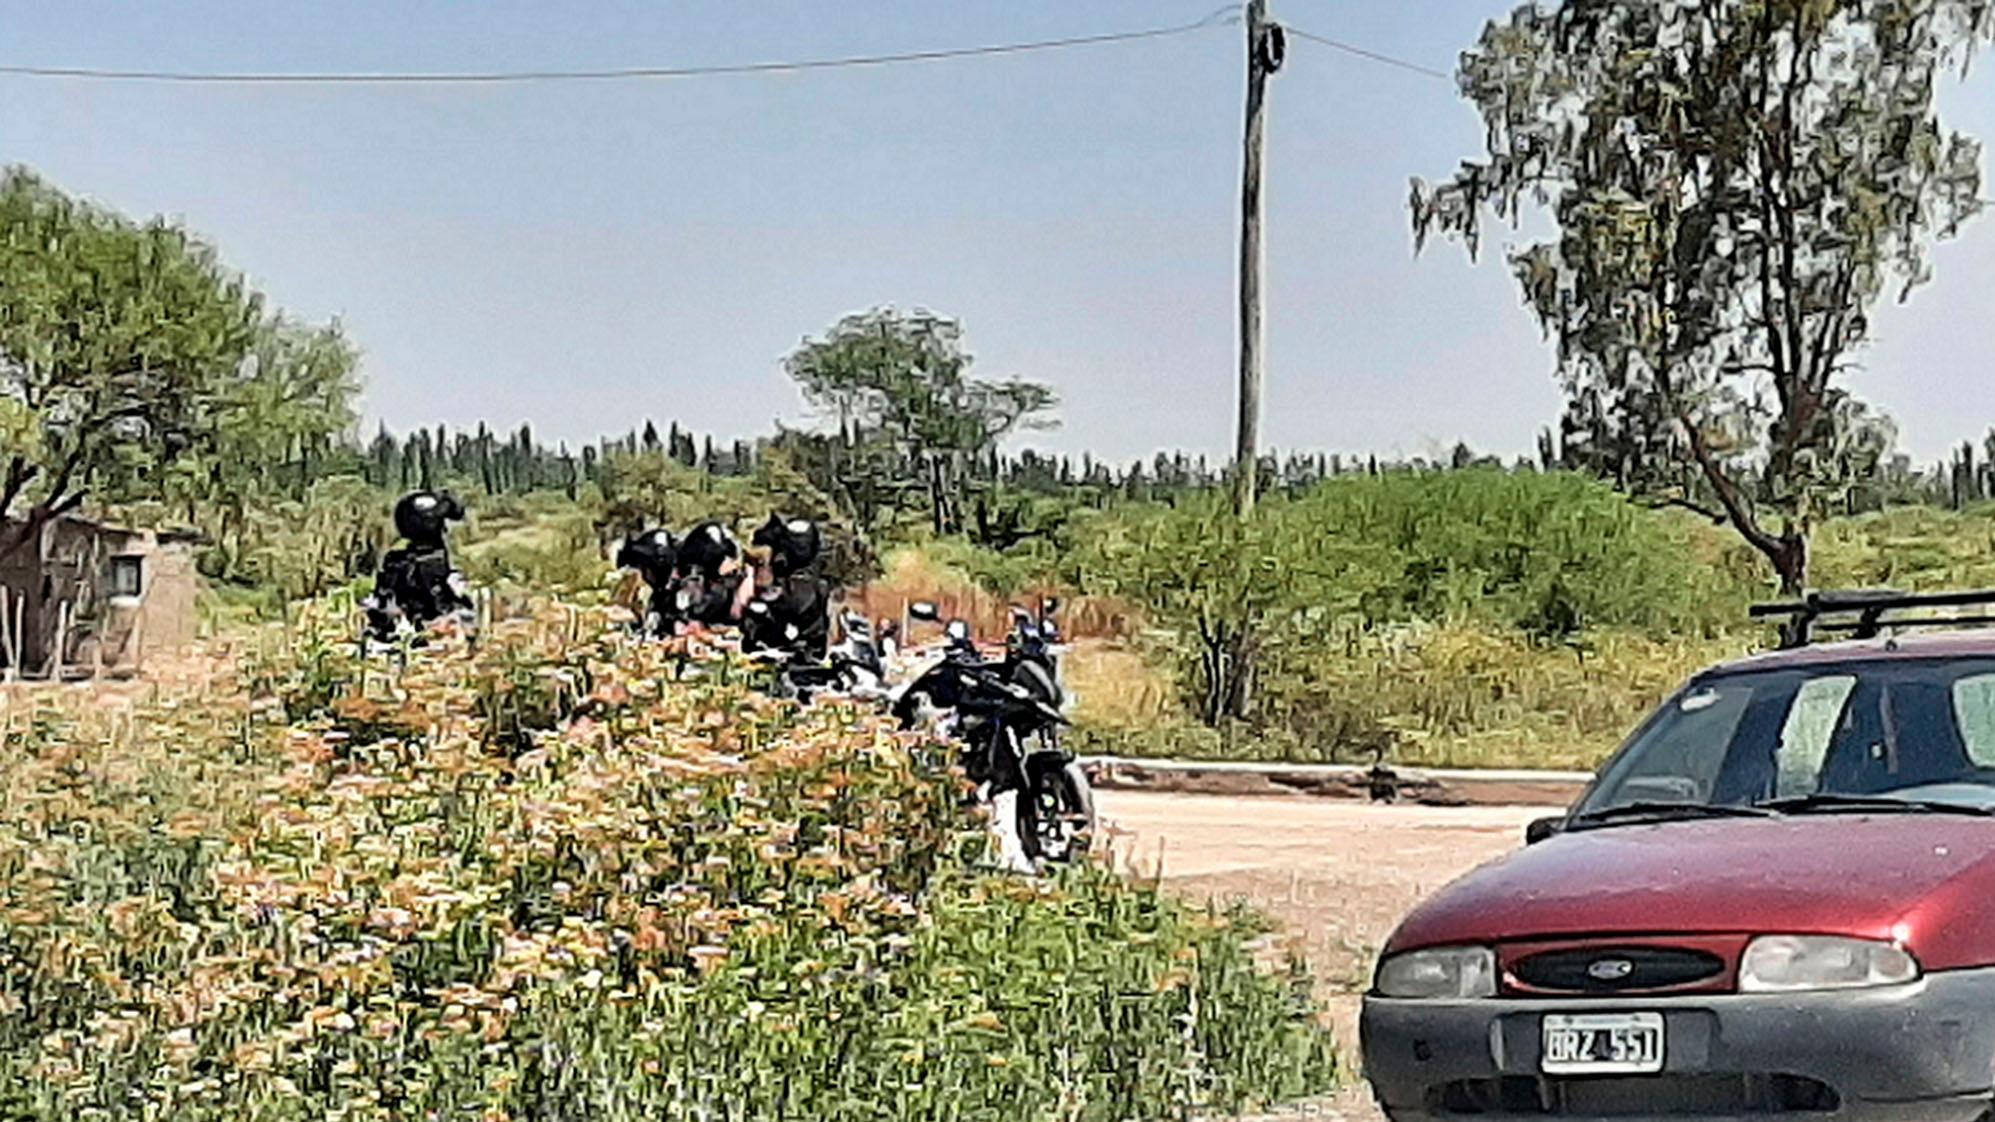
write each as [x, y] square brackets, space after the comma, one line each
[1266, 45]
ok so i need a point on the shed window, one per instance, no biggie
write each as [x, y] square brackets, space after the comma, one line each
[127, 576]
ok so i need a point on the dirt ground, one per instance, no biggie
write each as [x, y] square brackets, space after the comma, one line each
[1337, 873]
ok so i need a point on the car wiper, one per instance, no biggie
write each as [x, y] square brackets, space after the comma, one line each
[1832, 804]
[1653, 811]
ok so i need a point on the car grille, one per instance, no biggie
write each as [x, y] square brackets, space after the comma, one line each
[1615, 969]
[1648, 1096]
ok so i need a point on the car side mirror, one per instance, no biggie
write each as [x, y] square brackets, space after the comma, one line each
[958, 630]
[923, 609]
[1542, 828]
[1049, 605]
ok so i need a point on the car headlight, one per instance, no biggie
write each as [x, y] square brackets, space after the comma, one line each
[1444, 972]
[1777, 963]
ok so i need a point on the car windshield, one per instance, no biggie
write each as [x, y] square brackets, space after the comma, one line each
[1834, 737]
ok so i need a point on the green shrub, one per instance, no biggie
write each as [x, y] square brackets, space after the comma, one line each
[340, 889]
[1314, 623]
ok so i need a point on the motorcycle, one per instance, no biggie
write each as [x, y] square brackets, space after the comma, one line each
[1032, 654]
[1006, 713]
[852, 668]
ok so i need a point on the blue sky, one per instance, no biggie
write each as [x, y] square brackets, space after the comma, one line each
[586, 256]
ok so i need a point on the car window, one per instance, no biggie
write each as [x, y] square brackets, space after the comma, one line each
[1861, 727]
[1678, 764]
[1974, 713]
[1807, 732]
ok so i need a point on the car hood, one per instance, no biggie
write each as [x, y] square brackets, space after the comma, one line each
[1925, 880]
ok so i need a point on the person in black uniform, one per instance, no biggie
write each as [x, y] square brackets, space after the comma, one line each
[417, 581]
[655, 557]
[791, 614]
[713, 588]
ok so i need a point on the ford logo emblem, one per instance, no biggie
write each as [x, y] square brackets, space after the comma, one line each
[1610, 969]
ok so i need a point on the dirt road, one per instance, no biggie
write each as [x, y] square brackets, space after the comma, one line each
[1337, 873]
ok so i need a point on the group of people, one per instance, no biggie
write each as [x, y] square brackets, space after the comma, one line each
[707, 580]
[772, 592]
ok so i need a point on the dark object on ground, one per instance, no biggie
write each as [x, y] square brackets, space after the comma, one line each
[1382, 783]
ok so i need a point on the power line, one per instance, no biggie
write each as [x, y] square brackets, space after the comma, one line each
[1354, 49]
[1223, 15]
[1227, 14]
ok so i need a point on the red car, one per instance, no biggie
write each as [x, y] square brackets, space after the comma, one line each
[1778, 898]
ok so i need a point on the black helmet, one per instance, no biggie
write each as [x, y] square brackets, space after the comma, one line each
[793, 543]
[706, 547]
[651, 552]
[422, 515]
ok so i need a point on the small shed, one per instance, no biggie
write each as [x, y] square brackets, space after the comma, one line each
[85, 597]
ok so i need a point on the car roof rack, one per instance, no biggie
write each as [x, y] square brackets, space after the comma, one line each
[1873, 610]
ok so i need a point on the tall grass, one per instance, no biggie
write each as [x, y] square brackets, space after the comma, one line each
[1471, 618]
[560, 876]
[1442, 667]
[1912, 548]
[1426, 696]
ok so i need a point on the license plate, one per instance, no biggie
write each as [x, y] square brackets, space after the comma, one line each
[1603, 1044]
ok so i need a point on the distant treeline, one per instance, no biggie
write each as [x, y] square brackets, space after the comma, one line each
[1965, 478]
[865, 475]
[516, 462]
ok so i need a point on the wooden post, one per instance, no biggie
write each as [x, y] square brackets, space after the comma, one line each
[20, 635]
[7, 632]
[1265, 44]
[56, 653]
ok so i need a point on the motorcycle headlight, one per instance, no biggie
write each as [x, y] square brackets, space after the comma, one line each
[1779, 963]
[1444, 972]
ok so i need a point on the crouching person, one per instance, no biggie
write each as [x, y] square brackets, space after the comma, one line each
[417, 585]
[714, 588]
[653, 555]
[791, 614]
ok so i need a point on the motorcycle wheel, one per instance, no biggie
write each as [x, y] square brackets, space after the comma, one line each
[1056, 817]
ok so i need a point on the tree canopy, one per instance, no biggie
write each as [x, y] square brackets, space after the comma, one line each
[1734, 184]
[128, 349]
[904, 377]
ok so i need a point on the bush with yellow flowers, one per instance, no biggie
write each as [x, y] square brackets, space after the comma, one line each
[558, 874]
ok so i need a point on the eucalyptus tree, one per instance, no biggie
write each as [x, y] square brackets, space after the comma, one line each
[1734, 185]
